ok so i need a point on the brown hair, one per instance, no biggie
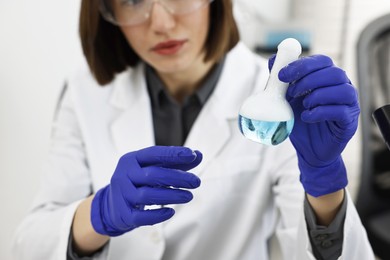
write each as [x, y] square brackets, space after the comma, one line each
[107, 51]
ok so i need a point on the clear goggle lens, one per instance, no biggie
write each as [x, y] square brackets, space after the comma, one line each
[133, 12]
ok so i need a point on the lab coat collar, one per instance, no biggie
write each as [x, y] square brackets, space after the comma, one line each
[133, 128]
[128, 87]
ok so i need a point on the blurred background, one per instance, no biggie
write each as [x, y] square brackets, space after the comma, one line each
[39, 47]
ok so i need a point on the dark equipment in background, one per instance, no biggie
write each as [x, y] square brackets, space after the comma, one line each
[382, 119]
[373, 201]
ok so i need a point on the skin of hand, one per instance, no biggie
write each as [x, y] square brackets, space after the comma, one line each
[85, 239]
[327, 206]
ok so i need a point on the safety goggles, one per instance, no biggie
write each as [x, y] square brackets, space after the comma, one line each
[134, 12]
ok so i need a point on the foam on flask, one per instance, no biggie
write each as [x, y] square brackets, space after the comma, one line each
[266, 117]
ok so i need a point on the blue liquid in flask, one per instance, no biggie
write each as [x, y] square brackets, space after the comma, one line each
[265, 132]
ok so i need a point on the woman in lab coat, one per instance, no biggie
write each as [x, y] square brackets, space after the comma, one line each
[147, 161]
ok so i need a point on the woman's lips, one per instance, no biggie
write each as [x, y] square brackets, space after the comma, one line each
[169, 47]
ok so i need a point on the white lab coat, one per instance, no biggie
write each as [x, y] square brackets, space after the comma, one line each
[248, 192]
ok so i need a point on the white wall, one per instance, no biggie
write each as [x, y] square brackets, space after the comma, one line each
[38, 45]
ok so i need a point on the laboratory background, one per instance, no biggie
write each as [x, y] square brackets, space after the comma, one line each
[39, 48]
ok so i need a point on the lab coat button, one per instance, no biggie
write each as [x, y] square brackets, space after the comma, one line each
[321, 237]
[326, 244]
[155, 237]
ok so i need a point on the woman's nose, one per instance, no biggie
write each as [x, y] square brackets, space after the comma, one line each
[161, 19]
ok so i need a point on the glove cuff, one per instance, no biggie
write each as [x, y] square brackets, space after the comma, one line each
[324, 180]
[97, 215]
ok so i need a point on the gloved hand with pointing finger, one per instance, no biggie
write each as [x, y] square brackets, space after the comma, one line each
[326, 112]
[151, 176]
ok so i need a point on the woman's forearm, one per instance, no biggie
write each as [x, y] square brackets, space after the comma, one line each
[326, 207]
[85, 240]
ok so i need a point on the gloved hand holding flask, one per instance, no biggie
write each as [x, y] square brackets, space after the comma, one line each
[326, 112]
[151, 176]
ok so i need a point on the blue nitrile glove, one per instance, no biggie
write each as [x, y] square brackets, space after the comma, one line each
[151, 176]
[326, 111]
